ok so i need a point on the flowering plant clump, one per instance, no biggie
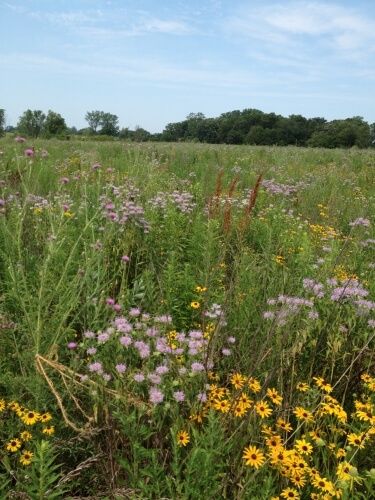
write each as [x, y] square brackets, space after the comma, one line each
[25, 426]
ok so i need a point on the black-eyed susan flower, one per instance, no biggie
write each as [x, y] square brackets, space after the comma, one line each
[302, 386]
[2, 404]
[322, 483]
[254, 384]
[244, 401]
[274, 442]
[303, 447]
[298, 480]
[45, 417]
[25, 436]
[30, 417]
[284, 425]
[48, 429]
[222, 405]
[274, 396]
[14, 445]
[183, 438]
[238, 381]
[239, 411]
[262, 409]
[26, 457]
[357, 440]
[194, 304]
[290, 493]
[303, 414]
[253, 457]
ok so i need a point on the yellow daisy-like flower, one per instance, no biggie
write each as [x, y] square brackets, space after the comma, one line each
[45, 417]
[12, 405]
[20, 411]
[303, 447]
[194, 304]
[2, 404]
[263, 409]
[30, 417]
[25, 436]
[303, 414]
[244, 401]
[254, 384]
[14, 445]
[216, 392]
[284, 425]
[48, 429]
[253, 457]
[302, 387]
[200, 289]
[366, 416]
[298, 480]
[239, 411]
[322, 483]
[222, 405]
[26, 457]
[274, 442]
[356, 440]
[238, 381]
[182, 438]
[290, 493]
[274, 396]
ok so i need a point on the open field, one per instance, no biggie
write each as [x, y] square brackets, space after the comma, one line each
[186, 321]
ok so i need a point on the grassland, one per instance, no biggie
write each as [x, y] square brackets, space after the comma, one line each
[186, 321]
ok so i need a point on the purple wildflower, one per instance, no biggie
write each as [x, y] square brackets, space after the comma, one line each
[107, 377]
[110, 302]
[44, 153]
[202, 397]
[29, 152]
[125, 340]
[96, 166]
[161, 369]
[155, 378]
[103, 337]
[226, 352]
[96, 367]
[64, 180]
[89, 335]
[197, 367]
[125, 258]
[120, 368]
[91, 351]
[156, 396]
[179, 396]
[19, 139]
[72, 345]
[139, 377]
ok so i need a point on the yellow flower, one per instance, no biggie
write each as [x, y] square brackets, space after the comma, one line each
[26, 457]
[222, 405]
[322, 483]
[182, 438]
[253, 457]
[303, 414]
[238, 381]
[45, 417]
[14, 445]
[282, 424]
[356, 440]
[290, 493]
[254, 384]
[302, 386]
[303, 447]
[200, 289]
[263, 409]
[30, 417]
[298, 480]
[274, 396]
[274, 442]
[48, 429]
[239, 411]
[244, 401]
[2, 405]
[194, 304]
[25, 436]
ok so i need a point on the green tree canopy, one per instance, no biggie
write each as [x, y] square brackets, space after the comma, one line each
[54, 124]
[31, 123]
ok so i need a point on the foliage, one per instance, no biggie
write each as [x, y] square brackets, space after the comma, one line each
[107, 122]
[197, 320]
[2, 122]
[31, 123]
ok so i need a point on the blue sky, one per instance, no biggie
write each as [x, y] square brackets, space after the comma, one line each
[152, 62]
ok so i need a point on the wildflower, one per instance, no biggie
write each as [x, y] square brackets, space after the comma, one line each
[254, 384]
[125, 258]
[156, 396]
[238, 381]
[19, 139]
[290, 493]
[322, 483]
[96, 367]
[253, 457]
[200, 289]
[226, 352]
[356, 440]
[72, 345]
[179, 396]
[197, 367]
[14, 445]
[25, 436]
[30, 417]
[239, 410]
[29, 152]
[139, 377]
[274, 396]
[48, 429]
[303, 447]
[120, 368]
[26, 457]
[298, 480]
[303, 414]
[302, 386]
[222, 405]
[182, 438]
[45, 417]
[194, 304]
[2, 405]
[263, 409]
[282, 424]
[274, 442]
[244, 401]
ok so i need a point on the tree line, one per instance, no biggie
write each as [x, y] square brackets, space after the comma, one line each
[250, 126]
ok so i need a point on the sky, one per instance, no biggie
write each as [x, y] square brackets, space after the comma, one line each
[152, 62]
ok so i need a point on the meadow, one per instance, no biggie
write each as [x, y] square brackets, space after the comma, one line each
[186, 321]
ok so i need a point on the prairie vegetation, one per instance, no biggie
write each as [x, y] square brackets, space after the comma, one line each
[186, 321]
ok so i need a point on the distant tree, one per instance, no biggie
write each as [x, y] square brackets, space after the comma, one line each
[109, 124]
[140, 134]
[126, 134]
[372, 134]
[31, 123]
[342, 134]
[2, 122]
[54, 125]
[93, 118]
[72, 131]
